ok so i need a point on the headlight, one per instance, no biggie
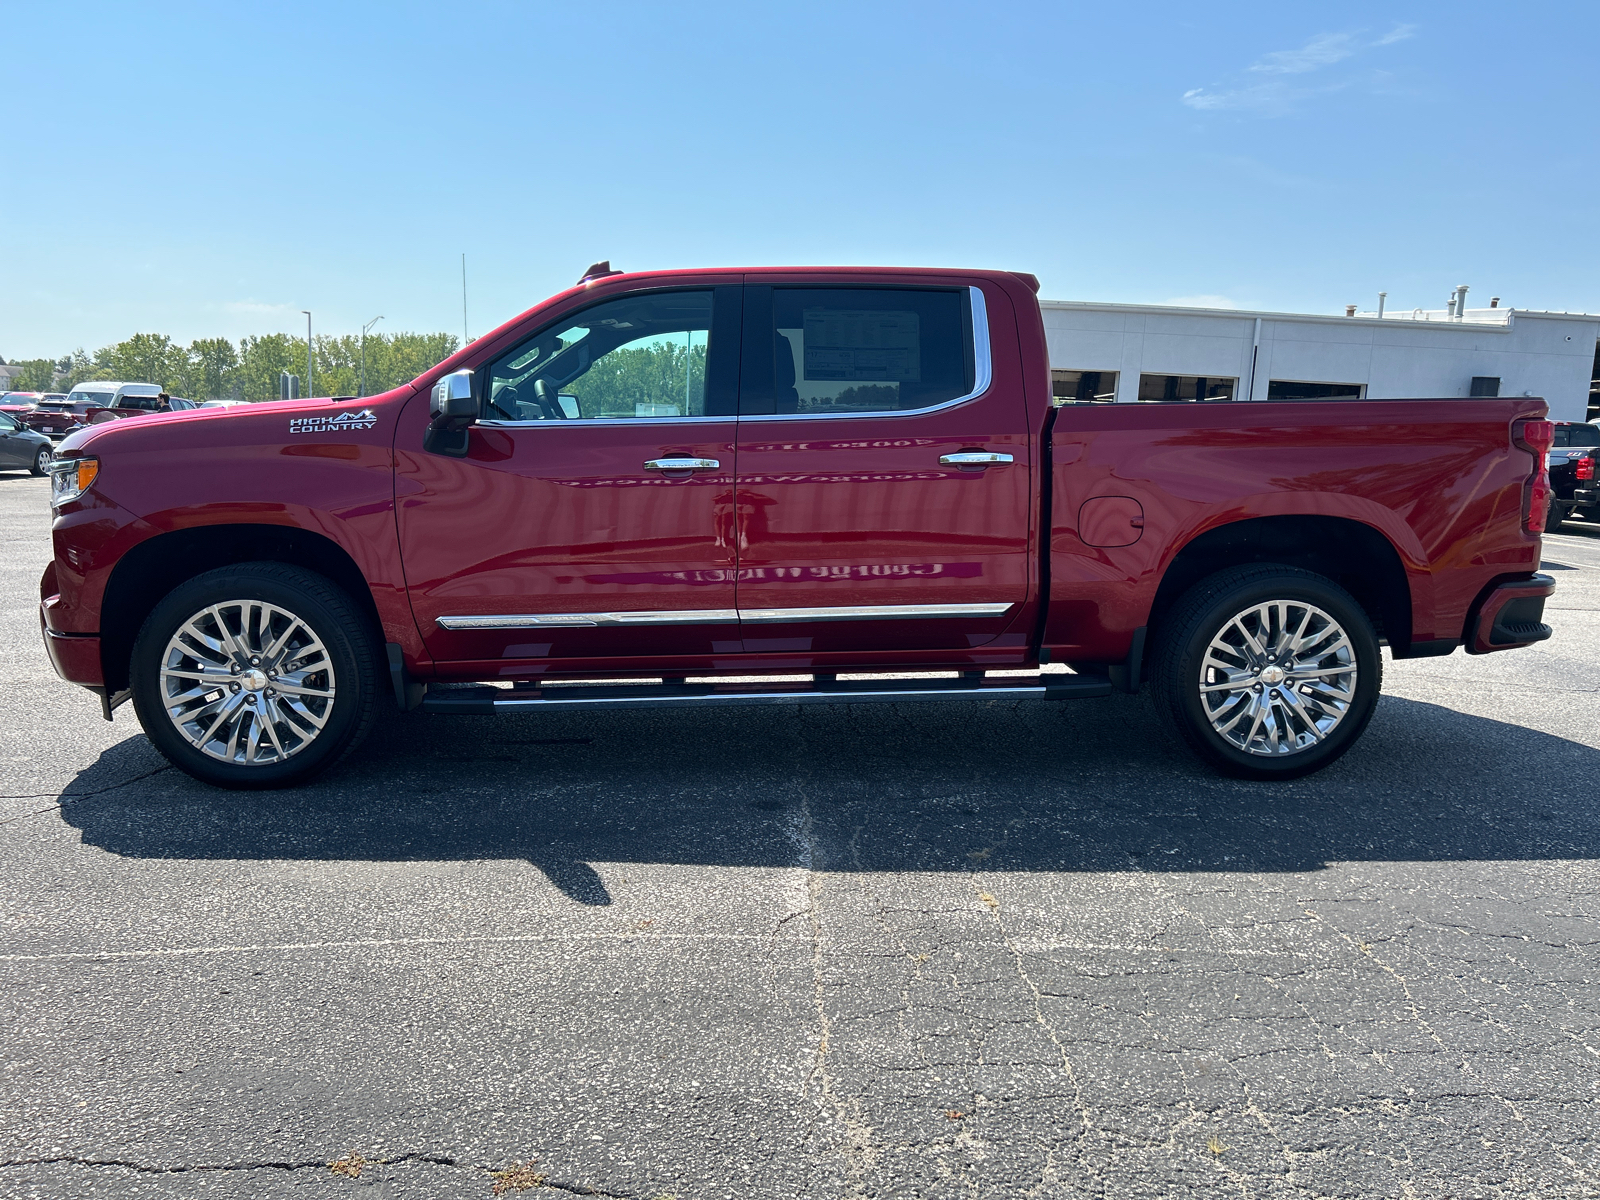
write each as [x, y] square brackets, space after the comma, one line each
[71, 477]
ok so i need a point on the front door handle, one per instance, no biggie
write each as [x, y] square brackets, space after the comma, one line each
[681, 464]
[974, 458]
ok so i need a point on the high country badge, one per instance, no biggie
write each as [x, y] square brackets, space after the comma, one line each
[365, 419]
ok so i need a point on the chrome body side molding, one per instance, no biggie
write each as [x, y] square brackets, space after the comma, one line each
[869, 612]
[723, 616]
[704, 616]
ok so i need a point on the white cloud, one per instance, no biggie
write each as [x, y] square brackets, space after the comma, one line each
[1277, 95]
[1266, 96]
[1398, 34]
[1271, 99]
[1320, 51]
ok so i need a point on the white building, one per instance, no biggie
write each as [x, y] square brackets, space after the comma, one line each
[1130, 352]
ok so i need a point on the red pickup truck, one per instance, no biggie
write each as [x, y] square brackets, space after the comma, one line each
[781, 486]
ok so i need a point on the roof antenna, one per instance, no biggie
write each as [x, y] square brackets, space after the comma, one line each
[598, 270]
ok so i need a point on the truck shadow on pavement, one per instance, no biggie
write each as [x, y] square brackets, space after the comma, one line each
[1035, 786]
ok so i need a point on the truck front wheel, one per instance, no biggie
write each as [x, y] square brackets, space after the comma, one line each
[1268, 672]
[257, 675]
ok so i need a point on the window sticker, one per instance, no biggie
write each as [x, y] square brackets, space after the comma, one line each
[851, 344]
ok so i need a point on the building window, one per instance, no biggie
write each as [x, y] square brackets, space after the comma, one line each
[1485, 385]
[1186, 387]
[1083, 387]
[1297, 389]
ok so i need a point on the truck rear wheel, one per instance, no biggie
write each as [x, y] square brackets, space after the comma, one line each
[1268, 672]
[255, 676]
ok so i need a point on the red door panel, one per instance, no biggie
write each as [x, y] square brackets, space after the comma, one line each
[591, 521]
[564, 521]
[853, 513]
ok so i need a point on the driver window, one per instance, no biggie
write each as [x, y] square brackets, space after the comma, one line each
[637, 356]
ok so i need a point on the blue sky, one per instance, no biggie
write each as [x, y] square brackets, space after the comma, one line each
[201, 170]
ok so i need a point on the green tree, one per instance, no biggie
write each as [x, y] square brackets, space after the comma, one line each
[145, 358]
[38, 375]
[407, 356]
[212, 369]
[652, 375]
[262, 358]
[74, 368]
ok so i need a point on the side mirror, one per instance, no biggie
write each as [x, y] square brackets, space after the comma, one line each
[453, 407]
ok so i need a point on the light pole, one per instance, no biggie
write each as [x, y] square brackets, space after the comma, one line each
[364, 329]
[311, 366]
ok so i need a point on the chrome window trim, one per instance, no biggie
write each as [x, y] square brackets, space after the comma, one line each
[982, 377]
[722, 616]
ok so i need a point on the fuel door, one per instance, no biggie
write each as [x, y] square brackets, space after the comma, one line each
[1111, 521]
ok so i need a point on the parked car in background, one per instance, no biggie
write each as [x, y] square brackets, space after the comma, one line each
[180, 404]
[94, 403]
[222, 403]
[1572, 464]
[16, 402]
[21, 447]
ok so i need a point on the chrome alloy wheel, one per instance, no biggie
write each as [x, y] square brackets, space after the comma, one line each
[1278, 678]
[247, 682]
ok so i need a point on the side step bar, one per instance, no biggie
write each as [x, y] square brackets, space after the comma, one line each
[476, 699]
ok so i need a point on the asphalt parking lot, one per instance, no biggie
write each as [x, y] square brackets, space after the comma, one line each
[930, 951]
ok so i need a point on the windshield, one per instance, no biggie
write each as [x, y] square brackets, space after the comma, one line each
[102, 399]
[1578, 435]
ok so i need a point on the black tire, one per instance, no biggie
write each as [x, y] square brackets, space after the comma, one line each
[41, 462]
[337, 653]
[1181, 668]
[1554, 515]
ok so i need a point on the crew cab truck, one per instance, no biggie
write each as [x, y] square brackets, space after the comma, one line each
[1570, 465]
[696, 479]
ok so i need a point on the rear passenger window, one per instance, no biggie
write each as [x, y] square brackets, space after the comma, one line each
[826, 351]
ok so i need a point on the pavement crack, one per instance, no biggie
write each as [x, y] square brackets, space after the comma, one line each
[437, 1160]
[63, 797]
[1084, 1115]
[859, 1153]
[164, 1169]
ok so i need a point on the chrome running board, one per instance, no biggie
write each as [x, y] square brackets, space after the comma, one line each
[480, 699]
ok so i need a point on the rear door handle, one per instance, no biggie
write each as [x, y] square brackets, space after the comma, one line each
[974, 458]
[681, 464]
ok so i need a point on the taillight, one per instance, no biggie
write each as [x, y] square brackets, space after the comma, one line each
[1536, 437]
[1584, 468]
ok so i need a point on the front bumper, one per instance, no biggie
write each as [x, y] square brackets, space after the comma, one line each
[75, 656]
[1510, 615]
